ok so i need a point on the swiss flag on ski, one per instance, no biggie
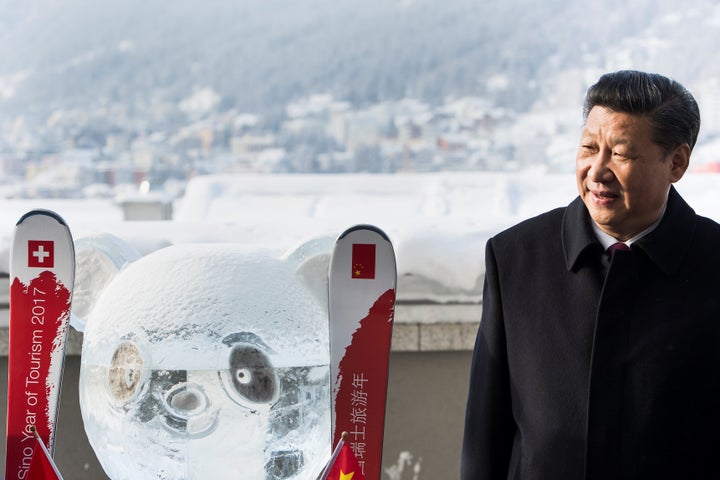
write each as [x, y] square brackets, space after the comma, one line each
[41, 254]
[42, 270]
[361, 308]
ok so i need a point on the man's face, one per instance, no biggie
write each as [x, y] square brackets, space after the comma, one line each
[623, 176]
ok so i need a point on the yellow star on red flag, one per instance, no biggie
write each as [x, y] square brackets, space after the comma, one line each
[343, 460]
[363, 260]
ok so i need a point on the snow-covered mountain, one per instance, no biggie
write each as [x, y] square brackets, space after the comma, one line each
[260, 54]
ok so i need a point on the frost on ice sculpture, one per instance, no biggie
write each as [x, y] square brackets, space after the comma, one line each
[206, 361]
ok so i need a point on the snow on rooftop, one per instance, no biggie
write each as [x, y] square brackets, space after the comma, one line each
[438, 223]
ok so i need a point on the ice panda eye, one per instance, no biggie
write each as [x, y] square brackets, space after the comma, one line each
[252, 374]
[124, 376]
[244, 376]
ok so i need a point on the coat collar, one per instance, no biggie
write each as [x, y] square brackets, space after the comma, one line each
[665, 246]
[578, 238]
[668, 244]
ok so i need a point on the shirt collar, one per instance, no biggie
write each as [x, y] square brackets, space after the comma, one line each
[665, 245]
[607, 240]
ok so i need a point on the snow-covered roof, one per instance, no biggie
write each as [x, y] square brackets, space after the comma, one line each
[438, 223]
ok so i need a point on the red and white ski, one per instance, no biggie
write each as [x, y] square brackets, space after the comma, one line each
[362, 283]
[42, 269]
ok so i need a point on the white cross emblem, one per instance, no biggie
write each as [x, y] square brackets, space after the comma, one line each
[40, 254]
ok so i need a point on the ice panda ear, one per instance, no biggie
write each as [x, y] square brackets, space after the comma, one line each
[98, 259]
[311, 261]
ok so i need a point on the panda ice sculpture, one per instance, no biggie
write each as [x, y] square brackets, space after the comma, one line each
[209, 361]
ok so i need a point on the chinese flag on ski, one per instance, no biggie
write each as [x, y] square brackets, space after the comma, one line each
[42, 466]
[363, 260]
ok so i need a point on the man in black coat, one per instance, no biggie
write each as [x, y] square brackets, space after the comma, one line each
[596, 364]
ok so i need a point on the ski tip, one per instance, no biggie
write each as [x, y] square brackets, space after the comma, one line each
[41, 211]
[372, 228]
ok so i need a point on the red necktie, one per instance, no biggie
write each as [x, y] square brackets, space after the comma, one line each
[617, 246]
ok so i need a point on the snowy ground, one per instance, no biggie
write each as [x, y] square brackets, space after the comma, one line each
[437, 222]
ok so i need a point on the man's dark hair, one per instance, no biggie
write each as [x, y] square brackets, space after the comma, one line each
[670, 107]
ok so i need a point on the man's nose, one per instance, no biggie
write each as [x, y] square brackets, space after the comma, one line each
[600, 170]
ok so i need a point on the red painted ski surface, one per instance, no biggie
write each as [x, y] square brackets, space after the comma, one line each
[361, 306]
[42, 266]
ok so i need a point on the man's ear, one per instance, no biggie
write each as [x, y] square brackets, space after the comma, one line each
[98, 259]
[680, 158]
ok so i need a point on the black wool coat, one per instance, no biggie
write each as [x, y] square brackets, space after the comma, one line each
[587, 371]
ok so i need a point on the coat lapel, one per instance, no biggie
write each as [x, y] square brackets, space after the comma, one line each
[667, 245]
[579, 240]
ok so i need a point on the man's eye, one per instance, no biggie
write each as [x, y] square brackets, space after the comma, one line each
[622, 155]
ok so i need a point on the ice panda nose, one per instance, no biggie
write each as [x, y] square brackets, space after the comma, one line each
[189, 410]
[186, 400]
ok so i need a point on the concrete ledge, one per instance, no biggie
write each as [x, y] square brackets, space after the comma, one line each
[73, 346]
[435, 328]
[437, 312]
[418, 328]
